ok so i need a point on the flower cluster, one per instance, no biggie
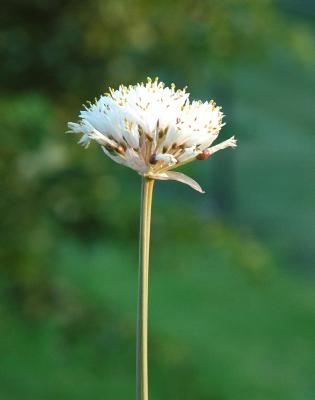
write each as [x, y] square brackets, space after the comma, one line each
[152, 129]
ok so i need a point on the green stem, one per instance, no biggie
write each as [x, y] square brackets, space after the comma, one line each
[143, 288]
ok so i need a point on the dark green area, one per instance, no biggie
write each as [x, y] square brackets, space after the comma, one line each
[232, 271]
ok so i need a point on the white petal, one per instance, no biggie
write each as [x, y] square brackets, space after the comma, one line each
[227, 143]
[100, 138]
[117, 158]
[133, 161]
[83, 127]
[74, 127]
[85, 141]
[188, 153]
[131, 136]
[178, 176]
[167, 158]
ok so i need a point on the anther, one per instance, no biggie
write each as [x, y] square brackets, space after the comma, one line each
[204, 155]
[120, 149]
[150, 139]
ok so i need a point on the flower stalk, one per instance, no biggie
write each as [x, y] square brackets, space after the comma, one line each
[143, 290]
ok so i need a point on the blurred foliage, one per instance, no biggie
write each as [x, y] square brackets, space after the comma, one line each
[231, 308]
[72, 46]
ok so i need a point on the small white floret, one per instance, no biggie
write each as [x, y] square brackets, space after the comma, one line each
[152, 128]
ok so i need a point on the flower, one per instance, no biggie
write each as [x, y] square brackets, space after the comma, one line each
[152, 129]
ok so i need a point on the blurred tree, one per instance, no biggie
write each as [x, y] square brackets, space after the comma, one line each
[67, 48]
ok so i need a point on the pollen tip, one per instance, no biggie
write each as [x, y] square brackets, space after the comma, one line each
[204, 155]
[120, 149]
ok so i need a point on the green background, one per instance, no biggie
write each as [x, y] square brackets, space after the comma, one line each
[231, 278]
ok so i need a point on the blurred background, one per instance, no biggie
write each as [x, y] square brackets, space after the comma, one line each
[232, 279]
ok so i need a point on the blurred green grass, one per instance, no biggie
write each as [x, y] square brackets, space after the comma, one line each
[222, 325]
[279, 146]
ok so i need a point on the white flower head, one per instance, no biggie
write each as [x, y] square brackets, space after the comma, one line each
[152, 129]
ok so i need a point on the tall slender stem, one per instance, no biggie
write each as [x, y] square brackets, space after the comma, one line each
[143, 288]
